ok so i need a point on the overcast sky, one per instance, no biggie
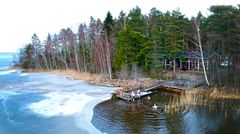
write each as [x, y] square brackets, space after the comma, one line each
[19, 19]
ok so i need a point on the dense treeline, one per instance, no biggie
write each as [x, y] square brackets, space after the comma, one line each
[221, 34]
[124, 46]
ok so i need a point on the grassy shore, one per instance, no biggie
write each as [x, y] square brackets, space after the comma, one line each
[89, 77]
[221, 94]
[210, 98]
[98, 79]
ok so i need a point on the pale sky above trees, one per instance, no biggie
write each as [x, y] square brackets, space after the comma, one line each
[19, 19]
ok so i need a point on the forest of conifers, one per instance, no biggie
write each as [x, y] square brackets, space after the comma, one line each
[121, 46]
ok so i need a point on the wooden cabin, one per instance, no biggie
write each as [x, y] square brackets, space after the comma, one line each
[187, 60]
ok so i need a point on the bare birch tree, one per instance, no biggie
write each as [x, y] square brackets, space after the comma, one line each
[199, 44]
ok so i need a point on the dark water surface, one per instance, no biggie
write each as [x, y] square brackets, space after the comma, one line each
[118, 116]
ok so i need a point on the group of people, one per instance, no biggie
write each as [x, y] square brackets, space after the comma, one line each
[138, 95]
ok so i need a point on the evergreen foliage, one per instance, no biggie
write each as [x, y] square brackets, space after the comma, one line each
[135, 40]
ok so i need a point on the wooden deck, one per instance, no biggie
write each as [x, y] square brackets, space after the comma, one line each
[157, 86]
[180, 85]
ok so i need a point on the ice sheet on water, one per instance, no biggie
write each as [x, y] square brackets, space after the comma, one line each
[3, 67]
[66, 97]
[83, 119]
[7, 72]
[60, 103]
[23, 74]
[8, 93]
[4, 94]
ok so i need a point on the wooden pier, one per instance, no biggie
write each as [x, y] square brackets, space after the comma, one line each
[182, 84]
[129, 97]
[179, 85]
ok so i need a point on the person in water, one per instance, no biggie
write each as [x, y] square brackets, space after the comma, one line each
[154, 106]
[149, 98]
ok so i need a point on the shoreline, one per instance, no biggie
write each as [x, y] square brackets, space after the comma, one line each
[125, 85]
[213, 92]
[86, 115]
[97, 79]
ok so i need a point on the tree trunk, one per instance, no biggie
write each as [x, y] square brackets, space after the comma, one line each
[174, 68]
[201, 51]
[46, 62]
[108, 56]
[76, 58]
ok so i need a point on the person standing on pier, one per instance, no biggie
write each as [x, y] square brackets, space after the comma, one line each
[138, 93]
[132, 95]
